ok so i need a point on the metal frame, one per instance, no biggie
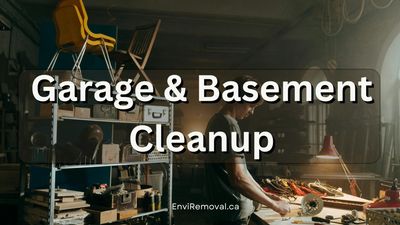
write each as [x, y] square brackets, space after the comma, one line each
[76, 69]
[171, 128]
[52, 178]
[54, 169]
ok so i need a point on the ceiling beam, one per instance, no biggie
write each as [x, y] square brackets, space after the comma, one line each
[13, 12]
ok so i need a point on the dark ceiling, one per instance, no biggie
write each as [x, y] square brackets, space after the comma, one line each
[211, 34]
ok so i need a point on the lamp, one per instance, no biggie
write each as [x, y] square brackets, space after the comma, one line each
[329, 151]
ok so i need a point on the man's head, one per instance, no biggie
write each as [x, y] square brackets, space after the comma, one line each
[244, 109]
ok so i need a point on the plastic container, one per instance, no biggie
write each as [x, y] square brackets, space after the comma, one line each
[155, 180]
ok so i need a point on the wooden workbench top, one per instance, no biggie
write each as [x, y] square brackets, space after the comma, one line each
[268, 216]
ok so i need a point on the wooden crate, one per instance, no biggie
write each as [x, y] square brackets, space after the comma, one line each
[125, 214]
[102, 216]
[82, 112]
[109, 153]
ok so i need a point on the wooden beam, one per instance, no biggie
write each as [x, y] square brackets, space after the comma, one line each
[17, 17]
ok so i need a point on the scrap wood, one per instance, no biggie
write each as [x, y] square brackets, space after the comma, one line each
[71, 205]
[42, 198]
[341, 204]
[61, 193]
[60, 205]
[68, 199]
[71, 214]
[43, 213]
[45, 199]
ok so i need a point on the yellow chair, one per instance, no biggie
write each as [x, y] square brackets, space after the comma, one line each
[74, 36]
[95, 38]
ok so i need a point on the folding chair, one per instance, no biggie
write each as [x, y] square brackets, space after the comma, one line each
[75, 37]
[138, 52]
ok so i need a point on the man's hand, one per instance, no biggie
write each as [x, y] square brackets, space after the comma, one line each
[281, 207]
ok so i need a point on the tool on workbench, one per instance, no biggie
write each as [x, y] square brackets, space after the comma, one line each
[305, 222]
[311, 205]
[385, 209]
[320, 220]
[391, 199]
[345, 219]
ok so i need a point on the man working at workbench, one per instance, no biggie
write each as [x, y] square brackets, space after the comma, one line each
[227, 179]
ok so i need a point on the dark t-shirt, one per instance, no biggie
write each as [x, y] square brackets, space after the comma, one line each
[218, 186]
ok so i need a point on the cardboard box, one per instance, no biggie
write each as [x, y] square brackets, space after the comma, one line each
[65, 113]
[105, 111]
[126, 201]
[102, 216]
[66, 110]
[63, 110]
[115, 201]
[154, 113]
[155, 180]
[135, 115]
[128, 154]
[124, 214]
[45, 110]
[144, 188]
[109, 153]
[82, 112]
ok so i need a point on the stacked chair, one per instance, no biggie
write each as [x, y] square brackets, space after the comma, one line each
[75, 37]
[138, 52]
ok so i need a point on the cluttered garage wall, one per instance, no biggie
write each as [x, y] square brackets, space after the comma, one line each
[18, 51]
[19, 40]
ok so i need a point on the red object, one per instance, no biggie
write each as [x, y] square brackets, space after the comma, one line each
[308, 190]
[353, 187]
[328, 151]
[269, 190]
[296, 190]
[103, 185]
[391, 199]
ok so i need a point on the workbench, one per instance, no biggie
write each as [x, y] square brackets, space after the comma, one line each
[368, 182]
[266, 216]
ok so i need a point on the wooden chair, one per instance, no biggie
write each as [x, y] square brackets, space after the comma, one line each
[138, 52]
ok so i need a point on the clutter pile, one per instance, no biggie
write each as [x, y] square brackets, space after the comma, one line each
[68, 207]
[290, 188]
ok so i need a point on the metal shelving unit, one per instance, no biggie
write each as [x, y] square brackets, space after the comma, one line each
[62, 118]
[54, 168]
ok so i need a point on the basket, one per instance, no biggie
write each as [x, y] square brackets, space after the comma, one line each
[383, 216]
[157, 156]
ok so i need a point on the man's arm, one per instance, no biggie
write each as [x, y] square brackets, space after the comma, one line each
[244, 183]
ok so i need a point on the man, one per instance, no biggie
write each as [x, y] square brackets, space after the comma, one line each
[227, 179]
